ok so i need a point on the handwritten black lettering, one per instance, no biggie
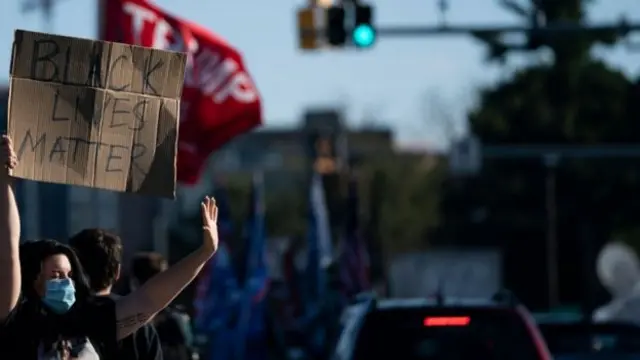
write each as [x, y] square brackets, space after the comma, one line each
[60, 58]
[47, 58]
[110, 167]
[77, 109]
[137, 151]
[41, 142]
[139, 110]
[67, 61]
[73, 150]
[94, 77]
[59, 149]
[149, 69]
[54, 115]
[116, 111]
[78, 144]
[117, 63]
[94, 60]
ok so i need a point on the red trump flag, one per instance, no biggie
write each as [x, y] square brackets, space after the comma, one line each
[219, 99]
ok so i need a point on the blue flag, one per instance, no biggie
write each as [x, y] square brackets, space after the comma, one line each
[251, 331]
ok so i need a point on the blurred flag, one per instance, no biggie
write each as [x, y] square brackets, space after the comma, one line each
[320, 256]
[319, 246]
[256, 265]
[219, 99]
[294, 285]
[251, 331]
[217, 286]
[354, 257]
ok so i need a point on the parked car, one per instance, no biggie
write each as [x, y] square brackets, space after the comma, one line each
[428, 329]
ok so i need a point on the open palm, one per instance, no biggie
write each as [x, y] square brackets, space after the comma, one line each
[209, 224]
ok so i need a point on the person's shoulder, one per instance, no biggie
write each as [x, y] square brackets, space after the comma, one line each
[16, 330]
[23, 312]
[92, 308]
[96, 316]
[101, 300]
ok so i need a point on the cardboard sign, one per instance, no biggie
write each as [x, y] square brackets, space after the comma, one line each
[95, 113]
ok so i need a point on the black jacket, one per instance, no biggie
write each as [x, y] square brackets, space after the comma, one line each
[144, 344]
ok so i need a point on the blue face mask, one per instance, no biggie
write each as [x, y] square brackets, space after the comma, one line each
[60, 295]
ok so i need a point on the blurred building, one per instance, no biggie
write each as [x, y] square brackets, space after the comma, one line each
[283, 153]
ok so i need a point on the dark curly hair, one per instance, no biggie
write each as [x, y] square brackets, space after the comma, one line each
[34, 253]
[100, 253]
[146, 265]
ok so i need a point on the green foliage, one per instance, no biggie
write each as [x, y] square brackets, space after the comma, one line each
[408, 201]
[525, 110]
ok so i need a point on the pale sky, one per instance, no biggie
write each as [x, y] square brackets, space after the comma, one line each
[390, 81]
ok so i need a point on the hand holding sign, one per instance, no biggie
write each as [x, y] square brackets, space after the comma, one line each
[9, 158]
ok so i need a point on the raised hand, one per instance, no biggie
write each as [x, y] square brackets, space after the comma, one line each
[209, 224]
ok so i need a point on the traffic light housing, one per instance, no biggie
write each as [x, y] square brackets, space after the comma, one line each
[363, 34]
[307, 38]
[348, 24]
[336, 32]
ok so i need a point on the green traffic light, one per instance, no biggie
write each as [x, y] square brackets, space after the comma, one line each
[364, 36]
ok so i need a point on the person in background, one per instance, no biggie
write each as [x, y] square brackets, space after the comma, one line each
[173, 323]
[47, 310]
[618, 269]
[100, 254]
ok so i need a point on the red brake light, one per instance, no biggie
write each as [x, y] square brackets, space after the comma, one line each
[447, 321]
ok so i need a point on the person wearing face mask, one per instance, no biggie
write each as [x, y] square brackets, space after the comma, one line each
[53, 283]
[46, 308]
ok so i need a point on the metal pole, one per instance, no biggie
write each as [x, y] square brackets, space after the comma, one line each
[101, 20]
[551, 163]
[553, 29]
[588, 261]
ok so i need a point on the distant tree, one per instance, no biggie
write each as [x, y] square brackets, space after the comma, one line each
[407, 187]
[574, 100]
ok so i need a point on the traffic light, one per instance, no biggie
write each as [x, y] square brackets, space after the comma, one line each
[336, 32]
[363, 34]
[349, 24]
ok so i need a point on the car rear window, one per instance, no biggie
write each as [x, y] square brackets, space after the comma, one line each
[445, 333]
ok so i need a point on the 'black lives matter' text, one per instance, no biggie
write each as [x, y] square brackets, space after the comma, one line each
[53, 59]
[73, 150]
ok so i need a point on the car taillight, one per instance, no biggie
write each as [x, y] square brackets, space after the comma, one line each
[447, 321]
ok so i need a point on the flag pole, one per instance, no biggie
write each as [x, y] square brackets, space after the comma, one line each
[101, 19]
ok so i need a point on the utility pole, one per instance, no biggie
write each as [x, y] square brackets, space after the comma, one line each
[551, 164]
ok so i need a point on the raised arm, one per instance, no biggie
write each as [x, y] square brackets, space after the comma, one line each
[137, 308]
[9, 234]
